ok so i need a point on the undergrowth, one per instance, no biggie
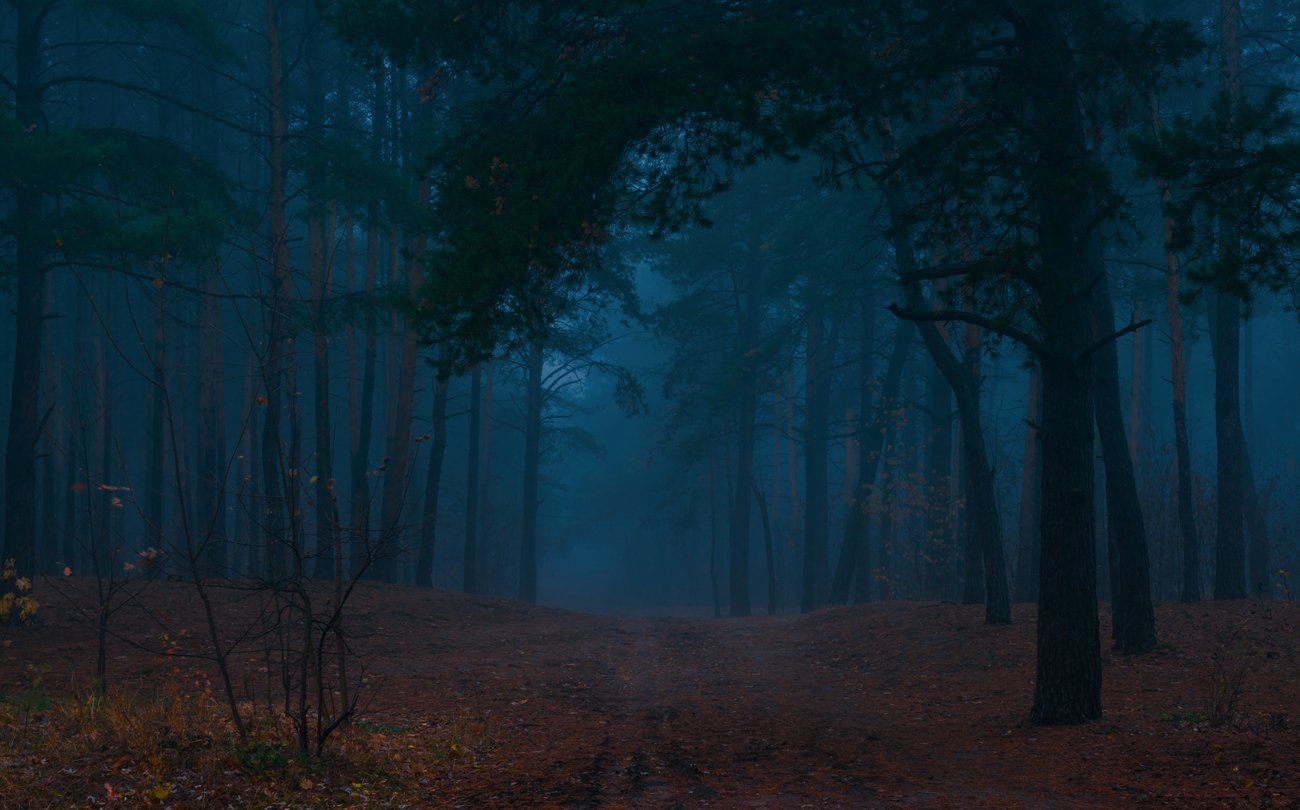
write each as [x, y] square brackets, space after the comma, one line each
[176, 748]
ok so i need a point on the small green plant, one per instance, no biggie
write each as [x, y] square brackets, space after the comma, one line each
[261, 757]
[32, 699]
[1185, 717]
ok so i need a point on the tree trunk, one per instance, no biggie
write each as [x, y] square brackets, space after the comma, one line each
[746, 417]
[469, 579]
[1068, 685]
[1229, 571]
[1132, 614]
[817, 504]
[1257, 552]
[768, 552]
[938, 497]
[25, 422]
[1031, 511]
[532, 464]
[398, 444]
[973, 591]
[870, 458]
[1191, 544]
[432, 485]
[272, 452]
[359, 474]
[211, 472]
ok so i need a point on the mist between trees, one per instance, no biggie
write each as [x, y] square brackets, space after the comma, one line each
[715, 309]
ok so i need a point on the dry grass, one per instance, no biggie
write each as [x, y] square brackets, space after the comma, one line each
[175, 747]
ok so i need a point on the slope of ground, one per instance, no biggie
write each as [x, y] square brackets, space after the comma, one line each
[917, 704]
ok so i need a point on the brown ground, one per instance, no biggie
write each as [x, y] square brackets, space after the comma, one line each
[916, 704]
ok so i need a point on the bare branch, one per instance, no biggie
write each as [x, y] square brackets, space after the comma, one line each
[946, 315]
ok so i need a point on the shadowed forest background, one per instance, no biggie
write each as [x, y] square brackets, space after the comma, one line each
[320, 313]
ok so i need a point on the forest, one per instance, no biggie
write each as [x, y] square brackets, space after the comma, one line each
[664, 403]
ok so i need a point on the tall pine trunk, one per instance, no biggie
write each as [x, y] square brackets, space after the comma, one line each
[25, 422]
[1191, 543]
[817, 415]
[273, 519]
[1031, 490]
[469, 561]
[432, 484]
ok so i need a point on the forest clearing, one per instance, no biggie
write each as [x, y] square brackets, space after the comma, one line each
[911, 704]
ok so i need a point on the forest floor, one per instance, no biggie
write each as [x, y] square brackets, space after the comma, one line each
[476, 702]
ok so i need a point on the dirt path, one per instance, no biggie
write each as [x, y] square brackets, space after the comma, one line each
[907, 704]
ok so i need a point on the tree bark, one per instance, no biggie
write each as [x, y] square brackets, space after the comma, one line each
[1229, 570]
[768, 552]
[937, 571]
[1067, 687]
[746, 416]
[870, 458]
[432, 485]
[469, 578]
[817, 415]
[398, 444]
[25, 422]
[1132, 614]
[273, 521]
[1191, 544]
[532, 465]
[1031, 511]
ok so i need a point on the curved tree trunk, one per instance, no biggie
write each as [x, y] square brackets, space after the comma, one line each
[1131, 610]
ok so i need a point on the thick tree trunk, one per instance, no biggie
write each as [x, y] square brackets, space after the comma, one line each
[25, 422]
[1132, 614]
[1229, 571]
[1031, 512]
[1067, 687]
[1230, 552]
[532, 465]
[432, 485]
